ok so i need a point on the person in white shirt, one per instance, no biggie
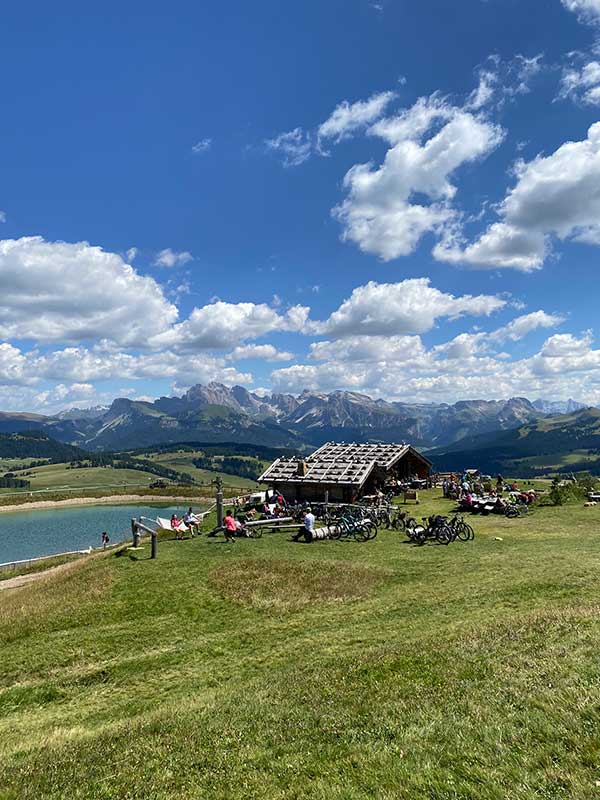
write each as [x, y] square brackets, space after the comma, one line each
[309, 527]
[309, 521]
[191, 521]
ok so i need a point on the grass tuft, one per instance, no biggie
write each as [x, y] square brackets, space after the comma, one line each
[282, 585]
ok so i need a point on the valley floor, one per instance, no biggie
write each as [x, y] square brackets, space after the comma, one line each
[334, 670]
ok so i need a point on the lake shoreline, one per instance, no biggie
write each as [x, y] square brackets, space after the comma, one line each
[116, 499]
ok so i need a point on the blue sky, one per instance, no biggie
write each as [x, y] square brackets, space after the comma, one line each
[397, 198]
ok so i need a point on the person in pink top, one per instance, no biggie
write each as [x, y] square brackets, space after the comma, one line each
[229, 527]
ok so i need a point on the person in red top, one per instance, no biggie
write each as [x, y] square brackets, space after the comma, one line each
[175, 525]
[229, 527]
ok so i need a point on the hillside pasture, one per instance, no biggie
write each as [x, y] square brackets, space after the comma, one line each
[182, 461]
[59, 476]
[335, 670]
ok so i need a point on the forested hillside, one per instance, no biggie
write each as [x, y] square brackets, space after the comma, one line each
[562, 443]
[37, 444]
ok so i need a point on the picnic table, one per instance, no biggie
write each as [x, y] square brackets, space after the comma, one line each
[411, 494]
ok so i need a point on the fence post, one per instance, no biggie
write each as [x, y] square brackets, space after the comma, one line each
[134, 533]
[154, 545]
[219, 484]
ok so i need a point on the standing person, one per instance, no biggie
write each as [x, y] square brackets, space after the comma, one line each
[105, 540]
[229, 527]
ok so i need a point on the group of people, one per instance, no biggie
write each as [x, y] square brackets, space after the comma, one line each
[275, 506]
[458, 486]
[189, 523]
[474, 493]
[235, 521]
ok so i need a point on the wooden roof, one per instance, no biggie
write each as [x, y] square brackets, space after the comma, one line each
[347, 464]
[384, 455]
[349, 473]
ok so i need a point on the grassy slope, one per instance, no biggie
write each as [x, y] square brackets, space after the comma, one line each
[462, 672]
[54, 476]
[182, 462]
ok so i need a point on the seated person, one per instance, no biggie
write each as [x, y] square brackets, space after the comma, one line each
[309, 527]
[177, 526]
[266, 510]
[191, 521]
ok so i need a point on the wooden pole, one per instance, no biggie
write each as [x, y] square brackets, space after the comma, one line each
[154, 545]
[326, 501]
[135, 533]
[219, 484]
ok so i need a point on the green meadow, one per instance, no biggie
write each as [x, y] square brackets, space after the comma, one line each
[183, 462]
[333, 670]
[61, 478]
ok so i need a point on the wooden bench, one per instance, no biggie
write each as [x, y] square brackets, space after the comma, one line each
[411, 494]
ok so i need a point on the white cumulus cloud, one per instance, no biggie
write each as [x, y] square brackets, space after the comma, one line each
[347, 118]
[262, 351]
[56, 291]
[294, 147]
[555, 196]
[202, 146]
[388, 208]
[521, 326]
[409, 307]
[222, 325]
[582, 84]
[172, 258]
[586, 10]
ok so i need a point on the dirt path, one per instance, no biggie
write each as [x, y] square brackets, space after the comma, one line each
[110, 500]
[23, 580]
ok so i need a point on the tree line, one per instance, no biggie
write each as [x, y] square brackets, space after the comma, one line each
[241, 467]
[127, 462]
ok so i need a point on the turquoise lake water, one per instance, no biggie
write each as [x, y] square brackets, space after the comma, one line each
[27, 534]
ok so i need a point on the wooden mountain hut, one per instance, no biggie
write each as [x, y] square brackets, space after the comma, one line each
[345, 471]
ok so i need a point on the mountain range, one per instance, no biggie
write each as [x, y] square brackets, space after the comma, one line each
[217, 413]
[558, 443]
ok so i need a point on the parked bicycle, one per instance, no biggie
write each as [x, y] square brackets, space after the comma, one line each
[353, 524]
[440, 529]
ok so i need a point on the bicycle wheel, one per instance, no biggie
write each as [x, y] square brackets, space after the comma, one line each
[444, 534]
[256, 533]
[398, 523]
[360, 533]
[464, 531]
[335, 530]
[372, 530]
